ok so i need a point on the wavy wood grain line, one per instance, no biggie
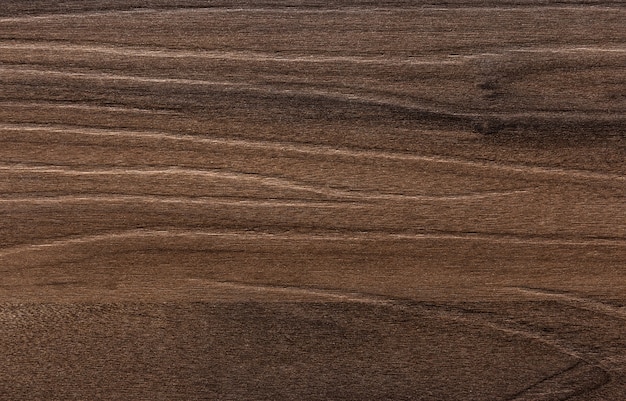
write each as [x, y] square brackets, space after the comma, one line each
[319, 149]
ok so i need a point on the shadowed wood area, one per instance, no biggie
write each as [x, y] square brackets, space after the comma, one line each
[282, 200]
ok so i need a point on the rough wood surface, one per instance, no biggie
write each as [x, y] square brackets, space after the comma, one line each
[350, 200]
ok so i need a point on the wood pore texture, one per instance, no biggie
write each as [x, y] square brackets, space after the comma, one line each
[312, 200]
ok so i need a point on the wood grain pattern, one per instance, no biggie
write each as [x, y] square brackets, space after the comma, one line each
[271, 200]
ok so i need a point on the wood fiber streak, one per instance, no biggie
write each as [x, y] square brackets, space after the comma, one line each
[281, 200]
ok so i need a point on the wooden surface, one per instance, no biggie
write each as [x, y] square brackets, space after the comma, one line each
[282, 200]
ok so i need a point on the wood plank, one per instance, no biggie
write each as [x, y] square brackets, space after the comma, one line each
[313, 200]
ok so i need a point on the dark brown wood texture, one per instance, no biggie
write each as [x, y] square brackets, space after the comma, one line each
[289, 200]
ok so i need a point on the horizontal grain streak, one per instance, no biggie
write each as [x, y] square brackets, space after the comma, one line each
[257, 56]
[313, 236]
[290, 147]
[16, 104]
[254, 56]
[580, 302]
[307, 10]
[356, 96]
[204, 200]
[238, 176]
